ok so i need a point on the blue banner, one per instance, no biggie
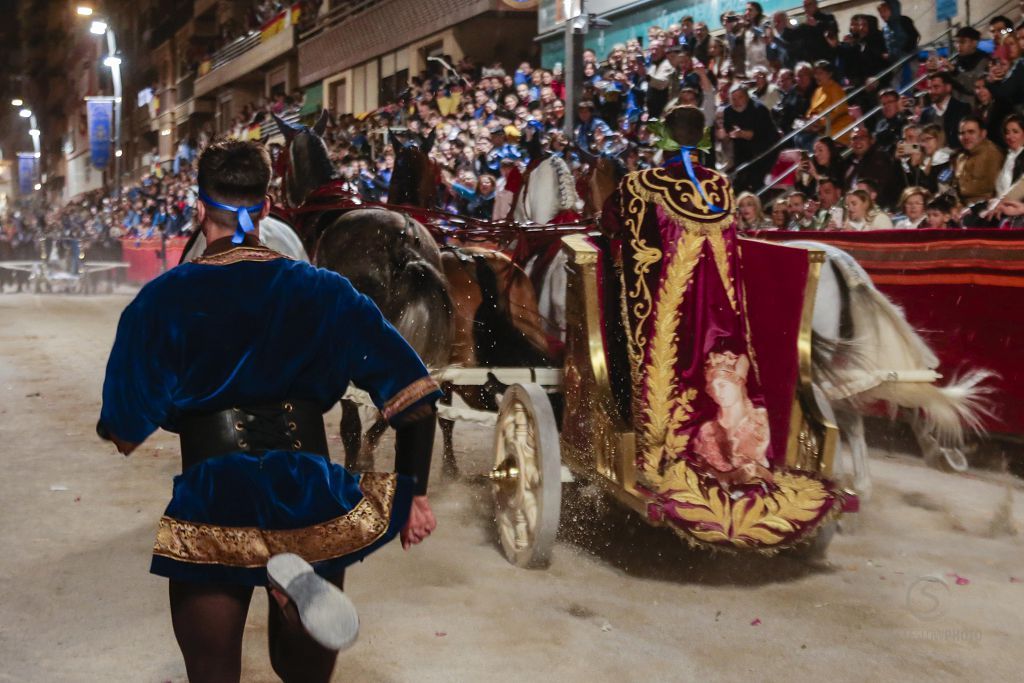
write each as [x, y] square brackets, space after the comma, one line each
[101, 129]
[945, 9]
[27, 165]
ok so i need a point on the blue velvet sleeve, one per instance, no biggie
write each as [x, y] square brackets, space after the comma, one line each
[382, 363]
[137, 387]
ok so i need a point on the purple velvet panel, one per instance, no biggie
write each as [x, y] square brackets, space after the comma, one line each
[774, 279]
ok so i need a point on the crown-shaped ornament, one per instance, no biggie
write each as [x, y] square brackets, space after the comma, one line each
[727, 363]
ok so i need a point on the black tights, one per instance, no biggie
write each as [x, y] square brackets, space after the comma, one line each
[209, 620]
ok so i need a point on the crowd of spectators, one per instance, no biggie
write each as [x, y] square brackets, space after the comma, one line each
[161, 205]
[944, 153]
[950, 141]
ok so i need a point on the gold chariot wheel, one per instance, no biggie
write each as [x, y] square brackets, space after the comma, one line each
[526, 481]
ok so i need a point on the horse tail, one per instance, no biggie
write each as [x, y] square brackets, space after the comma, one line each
[426, 319]
[878, 342]
[950, 412]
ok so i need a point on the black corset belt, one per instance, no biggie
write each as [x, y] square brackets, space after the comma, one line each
[288, 426]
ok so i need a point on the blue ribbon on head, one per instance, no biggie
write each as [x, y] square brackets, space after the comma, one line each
[684, 156]
[244, 219]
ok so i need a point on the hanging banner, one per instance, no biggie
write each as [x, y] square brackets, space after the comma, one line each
[101, 129]
[27, 165]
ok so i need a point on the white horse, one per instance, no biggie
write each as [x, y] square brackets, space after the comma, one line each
[880, 359]
[865, 352]
[274, 234]
[550, 189]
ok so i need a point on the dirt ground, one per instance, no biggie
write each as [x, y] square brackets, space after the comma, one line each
[927, 583]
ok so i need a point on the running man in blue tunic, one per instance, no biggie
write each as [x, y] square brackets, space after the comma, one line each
[240, 353]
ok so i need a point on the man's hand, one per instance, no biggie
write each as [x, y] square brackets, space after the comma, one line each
[421, 522]
[1009, 207]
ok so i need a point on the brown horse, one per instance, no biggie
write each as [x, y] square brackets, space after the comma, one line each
[385, 254]
[459, 306]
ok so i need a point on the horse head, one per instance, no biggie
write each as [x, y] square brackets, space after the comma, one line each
[306, 163]
[414, 179]
[606, 171]
[549, 189]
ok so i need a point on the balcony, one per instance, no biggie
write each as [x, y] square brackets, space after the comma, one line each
[188, 104]
[245, 55]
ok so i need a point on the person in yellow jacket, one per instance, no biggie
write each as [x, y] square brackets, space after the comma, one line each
[828, 93]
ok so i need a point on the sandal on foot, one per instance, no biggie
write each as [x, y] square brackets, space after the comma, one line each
[326, 613]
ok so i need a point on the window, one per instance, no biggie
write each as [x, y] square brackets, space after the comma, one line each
[339, 101]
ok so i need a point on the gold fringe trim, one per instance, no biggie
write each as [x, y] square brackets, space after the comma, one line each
[251, 547]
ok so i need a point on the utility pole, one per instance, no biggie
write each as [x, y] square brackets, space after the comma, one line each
[575, 29]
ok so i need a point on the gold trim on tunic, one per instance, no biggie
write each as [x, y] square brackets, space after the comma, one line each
[424, 386]
[240, 254]
[250, 547]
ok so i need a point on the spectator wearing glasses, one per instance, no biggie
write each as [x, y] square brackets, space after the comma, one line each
[888, 128]
[928, 162]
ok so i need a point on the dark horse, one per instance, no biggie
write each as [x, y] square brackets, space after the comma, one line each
[481, 311]
[386, 255]
[496, 318]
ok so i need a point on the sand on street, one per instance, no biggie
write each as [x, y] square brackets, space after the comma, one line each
[926, 584]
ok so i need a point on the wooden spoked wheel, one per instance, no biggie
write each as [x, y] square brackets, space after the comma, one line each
[527, 477]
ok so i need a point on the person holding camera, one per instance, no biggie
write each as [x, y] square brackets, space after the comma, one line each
[927, 162]
[749, 126]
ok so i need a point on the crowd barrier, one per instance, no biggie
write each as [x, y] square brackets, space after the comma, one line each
[147, 258]
[963, 290]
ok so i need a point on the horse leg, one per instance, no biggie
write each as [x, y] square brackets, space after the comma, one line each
[948, 459]
[449, 468]
[351, 430]
[851, 425]
[370, 440]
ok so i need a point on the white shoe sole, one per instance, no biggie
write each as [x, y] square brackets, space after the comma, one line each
[326, 613]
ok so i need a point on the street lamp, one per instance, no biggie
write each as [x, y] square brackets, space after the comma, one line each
[34, 132]
[100, 27]
[17, 102]
[25, 113]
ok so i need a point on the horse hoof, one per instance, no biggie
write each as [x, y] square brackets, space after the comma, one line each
[450, 471]
[953, 459]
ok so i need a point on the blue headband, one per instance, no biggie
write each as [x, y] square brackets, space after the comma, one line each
[244, 219]
[684, 152]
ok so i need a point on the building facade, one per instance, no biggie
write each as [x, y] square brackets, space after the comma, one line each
[360, 55]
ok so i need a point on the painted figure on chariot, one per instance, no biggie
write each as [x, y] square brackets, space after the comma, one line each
[240, 352]
[708, 457]
[735, 443]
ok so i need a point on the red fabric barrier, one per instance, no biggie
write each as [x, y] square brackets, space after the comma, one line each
[145, 257]
[963, 290]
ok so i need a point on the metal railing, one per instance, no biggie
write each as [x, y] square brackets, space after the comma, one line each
[337, 15]
[809, 123]
[234, 49]
[268, 127]
[937, 40]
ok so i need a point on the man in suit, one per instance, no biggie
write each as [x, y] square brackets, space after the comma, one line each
[944, 109]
